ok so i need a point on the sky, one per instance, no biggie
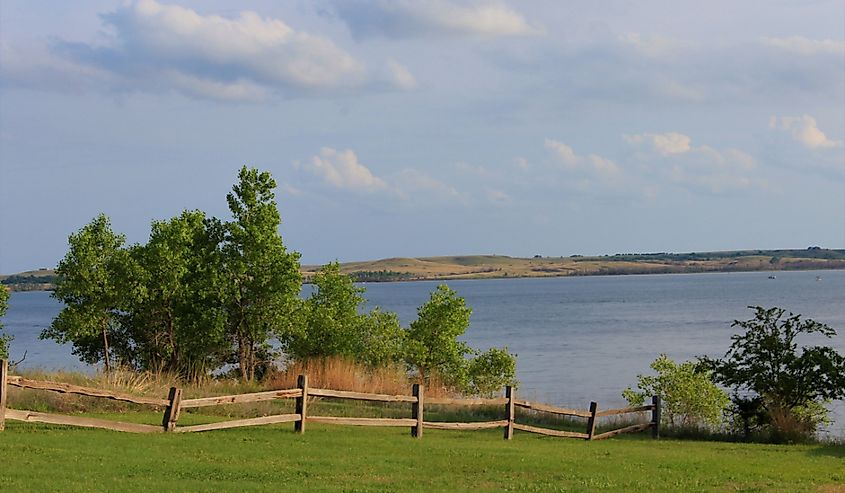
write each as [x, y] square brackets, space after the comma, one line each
[429, 127]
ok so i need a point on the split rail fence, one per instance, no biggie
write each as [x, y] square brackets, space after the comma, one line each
[174, 404]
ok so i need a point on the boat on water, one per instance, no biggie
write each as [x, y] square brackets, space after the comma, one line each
[773, 277]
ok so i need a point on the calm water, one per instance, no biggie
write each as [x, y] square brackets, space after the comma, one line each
[577, 339]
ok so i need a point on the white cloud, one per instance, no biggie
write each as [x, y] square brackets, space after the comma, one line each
[592, 163]
[805, 46]
[341, 169]
[671, 156]
[405, 18]
[563, 153]
[665, 144]
[803, 129]
[151, 46]
[400, 76]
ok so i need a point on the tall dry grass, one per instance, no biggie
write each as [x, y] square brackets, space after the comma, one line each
[329, 373]
[344, 374]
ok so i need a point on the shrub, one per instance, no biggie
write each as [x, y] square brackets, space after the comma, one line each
[689, 396]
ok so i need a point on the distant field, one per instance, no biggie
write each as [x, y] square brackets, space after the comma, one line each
[497, 266]
[332, 458]
[500, 266]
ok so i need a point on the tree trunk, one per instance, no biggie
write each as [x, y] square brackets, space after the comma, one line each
[106, 346]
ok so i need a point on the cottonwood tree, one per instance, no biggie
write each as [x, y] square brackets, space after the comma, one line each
[432, 343]
[91, 285]
[432, 346]
[176, 318]
[334, 324]
[263, 277]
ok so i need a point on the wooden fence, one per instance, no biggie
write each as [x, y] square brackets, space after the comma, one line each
[174, 404]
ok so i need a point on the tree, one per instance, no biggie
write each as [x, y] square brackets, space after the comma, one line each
[491, 370]
[772, 377]
[688, 395]
[5, 339]
[432, 343]
[89, 280]
[334, 324]
[264, 279]
[175, 318]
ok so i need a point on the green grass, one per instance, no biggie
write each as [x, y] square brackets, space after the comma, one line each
[36, 457]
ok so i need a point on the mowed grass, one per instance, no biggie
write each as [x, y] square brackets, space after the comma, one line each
[35, 457]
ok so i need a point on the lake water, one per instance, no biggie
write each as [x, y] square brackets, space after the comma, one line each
[577, 339]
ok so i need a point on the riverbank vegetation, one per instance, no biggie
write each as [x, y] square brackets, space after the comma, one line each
[779, 385]
[212, 297]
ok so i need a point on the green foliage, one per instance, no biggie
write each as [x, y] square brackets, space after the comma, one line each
[432, 346]
[175, 317]
[688, 395]
[199, 294]
[5, 339]
[334, 325]
[90, 281]
[492, 370]
[432, 343]
[263, 278]
[776, 383]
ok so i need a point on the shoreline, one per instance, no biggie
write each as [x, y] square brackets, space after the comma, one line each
[42, 287]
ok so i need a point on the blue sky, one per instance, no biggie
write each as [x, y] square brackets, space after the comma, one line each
[412, 128]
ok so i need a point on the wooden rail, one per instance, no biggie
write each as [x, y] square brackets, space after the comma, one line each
[552, 409]
[237, 423]
[174, 404]
[242, 398]
[58, 419]
[361, 396]
[67, 388]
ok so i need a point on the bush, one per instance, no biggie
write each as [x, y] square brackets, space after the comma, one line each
[688, 394]
[780, 389]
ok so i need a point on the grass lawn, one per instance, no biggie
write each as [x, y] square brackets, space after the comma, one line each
[35, 457]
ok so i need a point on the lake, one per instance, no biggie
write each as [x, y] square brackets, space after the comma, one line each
[577, 339]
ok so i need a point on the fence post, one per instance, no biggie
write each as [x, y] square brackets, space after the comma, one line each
[510, 411]
[591, 423]
[655, 417]
[418, 391]
[171, 413]
[301, 404]
[4, 372]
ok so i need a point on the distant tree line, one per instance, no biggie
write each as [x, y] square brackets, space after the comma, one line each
[205, 295]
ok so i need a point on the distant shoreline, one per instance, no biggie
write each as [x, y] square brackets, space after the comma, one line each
[450, 268]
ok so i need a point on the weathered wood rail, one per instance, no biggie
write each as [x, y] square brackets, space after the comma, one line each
[174, 404]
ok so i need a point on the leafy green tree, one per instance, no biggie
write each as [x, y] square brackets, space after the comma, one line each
[688, 396]
[264, 279]
[431, 342]
[380, 339]
[334, 324]
[5, 339]
[175, 318]
[331, 317]
[491, 370]
[89, 283]
[775, 378]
